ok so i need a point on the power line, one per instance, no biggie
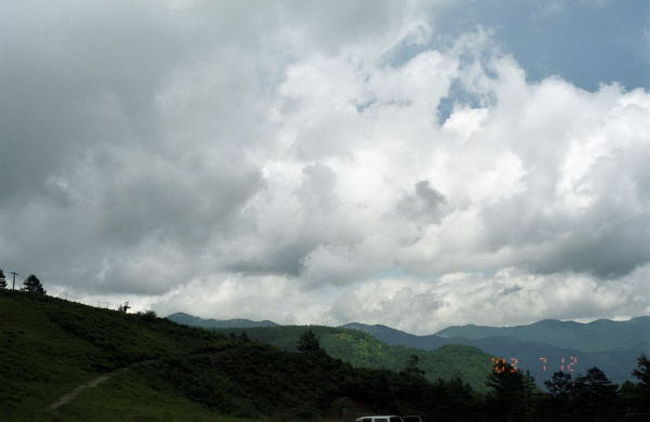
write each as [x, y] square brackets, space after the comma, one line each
[68, 297]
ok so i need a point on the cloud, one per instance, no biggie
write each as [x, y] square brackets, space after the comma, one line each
[422, 306]
[315, 163]
[425, 202]
[460, 297]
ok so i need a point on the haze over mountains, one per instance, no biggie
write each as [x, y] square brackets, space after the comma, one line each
[542, 347]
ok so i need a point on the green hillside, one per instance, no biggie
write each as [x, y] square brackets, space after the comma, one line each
[155, 370]
[50, 346]
[364, 351]
[393, 336]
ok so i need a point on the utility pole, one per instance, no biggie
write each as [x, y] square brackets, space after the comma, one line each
[13, 285]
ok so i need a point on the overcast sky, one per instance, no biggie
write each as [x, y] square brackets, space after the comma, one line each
[415, 164]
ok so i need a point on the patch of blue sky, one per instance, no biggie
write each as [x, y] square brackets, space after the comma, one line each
[586, 42]
[457, 95]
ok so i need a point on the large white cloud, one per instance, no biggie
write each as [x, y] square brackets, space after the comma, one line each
[319, 163]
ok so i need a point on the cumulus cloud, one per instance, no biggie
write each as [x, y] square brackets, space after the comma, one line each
[316, 163]
[423, 306]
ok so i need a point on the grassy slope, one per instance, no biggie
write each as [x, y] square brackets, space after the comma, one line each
[49, 346]
[128, 398]
[363, 351]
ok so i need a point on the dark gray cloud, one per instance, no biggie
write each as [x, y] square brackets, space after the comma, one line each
[101, 162]
[425, 203]
[359, 158]
[609, 251]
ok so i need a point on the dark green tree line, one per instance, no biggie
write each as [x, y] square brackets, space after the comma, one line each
[308, 342]
[512, 395]
[33, 285]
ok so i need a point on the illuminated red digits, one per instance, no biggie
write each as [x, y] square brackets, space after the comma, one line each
[574, 361]
[513, 363]
[544, 360]
[500, 365]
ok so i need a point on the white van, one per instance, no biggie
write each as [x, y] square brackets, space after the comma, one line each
[387, 418]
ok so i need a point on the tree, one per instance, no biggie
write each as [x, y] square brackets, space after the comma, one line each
[595, 396]
[3, 281]
[308, 342]
[454, 399]
[642, 373]
[561, 390]
[412, 370]
[33, 285]
[560, 385]
[632, 398]
[512, 392]
[149, 315]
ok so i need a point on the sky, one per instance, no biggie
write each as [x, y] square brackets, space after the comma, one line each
[417, 164]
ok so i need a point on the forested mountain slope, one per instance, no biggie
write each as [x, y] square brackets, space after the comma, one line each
[363, 351]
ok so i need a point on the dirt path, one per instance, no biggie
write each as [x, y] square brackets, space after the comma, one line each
[68, 397]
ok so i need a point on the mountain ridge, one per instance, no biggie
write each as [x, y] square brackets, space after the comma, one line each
[602, 335]
[529, 351]
[540, 358]
[187, 319]
[362, 350]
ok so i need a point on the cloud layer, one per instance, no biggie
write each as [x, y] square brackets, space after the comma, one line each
[320, 163]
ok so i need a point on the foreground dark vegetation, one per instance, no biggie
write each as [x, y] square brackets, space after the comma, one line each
[50, 346]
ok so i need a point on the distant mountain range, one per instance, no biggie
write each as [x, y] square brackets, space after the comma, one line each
[597, 336]
[541, 348]
[186, 319]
